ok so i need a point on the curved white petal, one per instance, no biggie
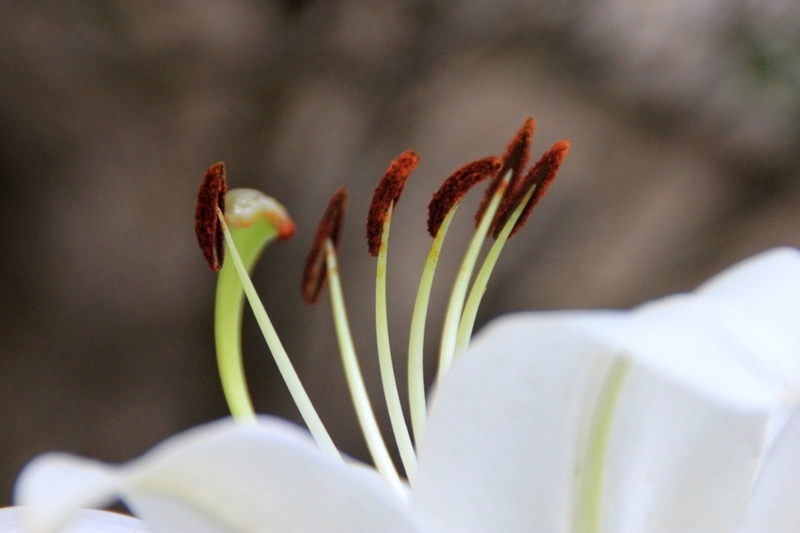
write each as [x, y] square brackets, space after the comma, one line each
[63, 483]
[511, 425]
[505, 448]
[15, 519]
[505, 429]
[735, 339]
[234, 478]
[677, 462]
[774, 506]
[766, 288]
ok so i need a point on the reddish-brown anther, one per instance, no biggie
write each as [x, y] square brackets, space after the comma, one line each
[540, 176]
[210, 198]
[515, 159]
[330, 226]
[456, 187]
[387, 192]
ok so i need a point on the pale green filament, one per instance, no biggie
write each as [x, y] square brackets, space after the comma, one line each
[416, 342]
[355, 382]
[482, 279]
[589, 508]
[285, 367]
[393, 404]
[456, 304]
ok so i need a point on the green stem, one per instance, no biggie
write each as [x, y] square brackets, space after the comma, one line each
[355, 381]
[416, 342]
[393, 404]
[285, 367]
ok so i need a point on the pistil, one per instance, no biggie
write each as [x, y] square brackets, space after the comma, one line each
[254, 221]
[258, 219]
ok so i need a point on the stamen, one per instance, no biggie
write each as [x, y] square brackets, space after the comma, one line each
[329, 229]
[322, 264]
[387, 193]
[440, 213]
[459, 292]
[457, 186]
[254, 220]
[355, 381]
[211, 197]
[515, 159]
[467, 322]
[540, 177]
[386, 196]
[285, 367]
[515, 210]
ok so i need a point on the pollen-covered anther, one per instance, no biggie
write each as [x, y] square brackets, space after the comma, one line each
[388, 192]
[515, 159]
[457, 186]
[540, 176]
[210, 199]
[329, 228]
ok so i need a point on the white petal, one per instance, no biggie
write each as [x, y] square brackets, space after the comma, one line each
[234, 478]
[677, 462]
[14, 519]
[774, 506]
[735, 339]
[64, 483]
[505, 443]
[505, 429]
[765, 289]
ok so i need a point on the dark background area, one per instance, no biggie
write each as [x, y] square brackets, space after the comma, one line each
[682, 115]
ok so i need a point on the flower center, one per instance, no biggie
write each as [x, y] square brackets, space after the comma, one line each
[248, 220]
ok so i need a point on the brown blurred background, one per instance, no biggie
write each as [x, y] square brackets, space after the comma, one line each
[682, 114]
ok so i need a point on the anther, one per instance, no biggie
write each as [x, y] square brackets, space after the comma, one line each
[456, 187]
[388, 192]
[515, 159]
[210, 198]
[329, 227]
[540, 176]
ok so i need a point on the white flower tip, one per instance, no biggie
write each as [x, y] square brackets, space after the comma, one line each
[55, 485]
[769, 268]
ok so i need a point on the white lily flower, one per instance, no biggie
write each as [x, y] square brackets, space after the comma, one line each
[648, 420]
[678, 416]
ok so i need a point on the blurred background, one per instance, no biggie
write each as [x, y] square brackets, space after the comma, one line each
[682, 115]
